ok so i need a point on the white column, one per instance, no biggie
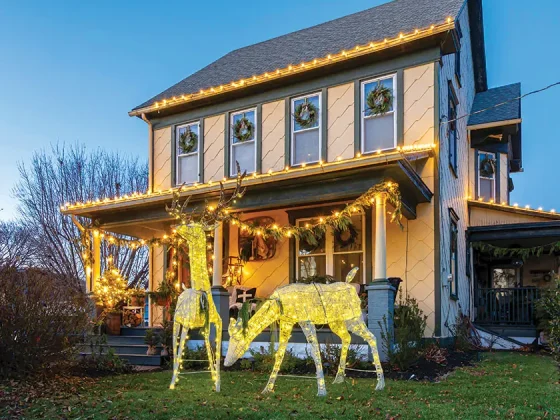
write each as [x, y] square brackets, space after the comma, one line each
[380, 237]
[218, 256]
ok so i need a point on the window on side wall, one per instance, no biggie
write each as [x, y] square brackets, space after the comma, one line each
[486, 176]
[335, 254]
[243, 141]
[378, 129]
[187, 142]
[452, 127]
[453, 254]
[306, 129]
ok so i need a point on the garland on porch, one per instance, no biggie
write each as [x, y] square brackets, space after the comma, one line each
[523, 253]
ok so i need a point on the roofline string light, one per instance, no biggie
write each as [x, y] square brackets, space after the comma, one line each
[136, 196]
[515, 206]
[357, 51]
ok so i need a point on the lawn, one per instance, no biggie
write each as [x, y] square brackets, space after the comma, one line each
[503, 385]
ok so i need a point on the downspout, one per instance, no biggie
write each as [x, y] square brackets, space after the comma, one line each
[150, 153]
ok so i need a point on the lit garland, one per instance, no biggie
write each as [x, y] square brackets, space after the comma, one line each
[527, 208]
[335, 304]
[357, 51]
[523, 253]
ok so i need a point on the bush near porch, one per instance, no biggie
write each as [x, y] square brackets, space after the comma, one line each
[503, 385]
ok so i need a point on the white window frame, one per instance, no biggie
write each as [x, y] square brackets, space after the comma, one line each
[232, 166]
[293, 124]
[363, 116]
[484, 177]
[330, 252]
[178, 155]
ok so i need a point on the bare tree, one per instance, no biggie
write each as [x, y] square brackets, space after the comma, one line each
[17, 245]
[70, 174]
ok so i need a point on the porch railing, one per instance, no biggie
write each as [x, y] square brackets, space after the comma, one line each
[513, 306]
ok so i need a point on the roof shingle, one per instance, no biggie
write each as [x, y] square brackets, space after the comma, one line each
[373, 24]
[507, 112]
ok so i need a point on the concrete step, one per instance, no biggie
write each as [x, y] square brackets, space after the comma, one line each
[136, 331]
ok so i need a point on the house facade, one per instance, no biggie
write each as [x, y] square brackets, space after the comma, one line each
[443, 139]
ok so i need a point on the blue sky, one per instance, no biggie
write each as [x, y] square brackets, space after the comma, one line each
[72, 70]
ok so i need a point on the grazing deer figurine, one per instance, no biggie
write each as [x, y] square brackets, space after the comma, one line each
[195, 306]
[336, 304]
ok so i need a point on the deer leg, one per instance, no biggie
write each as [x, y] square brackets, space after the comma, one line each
[311, 335]
[178, 355]
[285, 333]
[340, 329]
[211, 362]
[358, 327]
[218, 324]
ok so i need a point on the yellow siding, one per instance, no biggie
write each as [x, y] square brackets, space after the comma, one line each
[265, 275]
[489, 217]
[504, 178]
[273, 136]
[340, 120]
[419, 105]
[157, 258]
[162, 159]
[214, 132]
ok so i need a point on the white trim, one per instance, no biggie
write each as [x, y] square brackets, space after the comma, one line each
[478, 154]
[363, 109]
[303, 130]
[494, 124]
[232, 168]
[180, 155]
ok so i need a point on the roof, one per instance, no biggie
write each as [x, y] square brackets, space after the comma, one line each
[492, 97]
[385, 21]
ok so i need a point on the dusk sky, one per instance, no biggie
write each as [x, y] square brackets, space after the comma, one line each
[70, 71]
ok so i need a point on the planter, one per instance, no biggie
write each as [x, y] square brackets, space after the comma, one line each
[165, 351]
[137, 300]
[160, 301]
[152, 351]
[113, 323]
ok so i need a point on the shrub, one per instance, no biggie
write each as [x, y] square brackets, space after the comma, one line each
[548, 312]
[330, 353]
[404, 343]
[462, 333]
[42, 320]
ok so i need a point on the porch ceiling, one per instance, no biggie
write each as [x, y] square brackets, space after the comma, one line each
[149, 219]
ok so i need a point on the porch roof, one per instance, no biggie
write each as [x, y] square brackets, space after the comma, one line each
[523, 235]
[147, 218]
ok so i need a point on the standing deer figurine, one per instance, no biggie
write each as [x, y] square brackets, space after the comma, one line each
[195, 307]
[336, 304]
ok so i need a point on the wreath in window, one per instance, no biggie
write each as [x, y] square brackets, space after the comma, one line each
[487, 167]
[188, 141]
[379, 100]
[306, 114]
[347, 237]
[243, 129]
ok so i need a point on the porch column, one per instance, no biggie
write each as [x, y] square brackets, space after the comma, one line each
[219, 294]
[96, 269]
[380, 237]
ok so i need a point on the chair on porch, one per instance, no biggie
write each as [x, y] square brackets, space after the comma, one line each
[238, 295]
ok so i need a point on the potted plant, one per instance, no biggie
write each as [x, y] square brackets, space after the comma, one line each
[166, 337]
[113, 321]
[165, 292]
[137, 297]
[152, 340]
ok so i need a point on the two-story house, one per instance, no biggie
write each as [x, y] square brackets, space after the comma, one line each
[296, 113]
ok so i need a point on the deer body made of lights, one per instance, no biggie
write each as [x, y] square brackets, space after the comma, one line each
[336, 304]
[195, 307]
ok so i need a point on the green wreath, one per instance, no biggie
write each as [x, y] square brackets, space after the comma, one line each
[379, 100]
[488, 167]
[351, 240]
[243, 129]
[306, 115]
[188, 141]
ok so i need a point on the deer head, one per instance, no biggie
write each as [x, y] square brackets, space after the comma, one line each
[238, 342]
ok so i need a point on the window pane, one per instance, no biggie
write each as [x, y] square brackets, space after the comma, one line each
[250, 115]
[368, 87]
[350, 240]
[452, 147]
[312, 266]
[305, 248]
[343, 263]
[312, 100]
[504, 278]
[189, 141]
[486, 190]
[306, 147]
[244, 153]
[187, 169]
[379, 133]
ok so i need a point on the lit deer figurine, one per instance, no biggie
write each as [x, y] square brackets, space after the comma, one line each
[195, 307]
[336, 304]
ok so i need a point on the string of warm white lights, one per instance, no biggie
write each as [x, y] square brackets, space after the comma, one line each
[514, 206]
[357, 51]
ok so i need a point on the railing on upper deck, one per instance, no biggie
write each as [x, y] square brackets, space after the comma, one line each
[512, 306]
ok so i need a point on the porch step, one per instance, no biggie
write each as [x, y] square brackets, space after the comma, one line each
[497, 341]
[136, 331]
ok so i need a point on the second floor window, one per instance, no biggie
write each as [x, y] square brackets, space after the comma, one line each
[453, 253]
[378, 114]
[486, 176]
[306, 129]
[243, 141]
[452, 127]
[187, 139]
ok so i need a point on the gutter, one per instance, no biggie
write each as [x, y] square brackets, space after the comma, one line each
[150, 153]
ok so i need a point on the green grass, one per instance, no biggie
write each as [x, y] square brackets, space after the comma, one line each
[503, 385]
